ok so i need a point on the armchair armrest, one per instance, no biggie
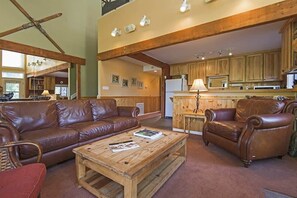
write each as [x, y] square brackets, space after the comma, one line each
[270, 120]
[291, 106]
[9, 159]
[8, 132]
[224, 114]
[128, 111]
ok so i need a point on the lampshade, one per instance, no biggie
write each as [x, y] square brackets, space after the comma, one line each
[45, 92]
[198, 85]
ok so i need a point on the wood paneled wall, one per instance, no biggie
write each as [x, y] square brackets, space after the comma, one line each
[151, 103]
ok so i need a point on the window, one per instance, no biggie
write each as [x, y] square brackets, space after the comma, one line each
[12, 75]
[12, 59]
[13, 87]
[61, 90]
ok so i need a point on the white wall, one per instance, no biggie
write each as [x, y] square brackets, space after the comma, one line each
[166, 18]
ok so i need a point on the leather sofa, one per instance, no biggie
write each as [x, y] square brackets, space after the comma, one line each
[60, 126]
[256, 129]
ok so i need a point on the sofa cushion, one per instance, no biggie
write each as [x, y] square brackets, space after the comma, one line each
[93, 129]
[74, 111]
[230, 130]
[246, 108]
[22, 182]
[121, 123]
[103, 108]
[50, 139]
[30, 116]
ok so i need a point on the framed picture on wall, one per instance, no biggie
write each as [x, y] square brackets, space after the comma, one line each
[115, 79]
[134, 82]
[125, 83]
[140, 85]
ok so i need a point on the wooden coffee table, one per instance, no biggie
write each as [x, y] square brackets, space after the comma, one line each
[138, 172]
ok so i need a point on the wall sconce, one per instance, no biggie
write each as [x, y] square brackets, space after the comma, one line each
[116, 32]
[130, 28]
[144, 21]
[185, 6]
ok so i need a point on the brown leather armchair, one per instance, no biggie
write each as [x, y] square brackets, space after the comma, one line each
[255, 129]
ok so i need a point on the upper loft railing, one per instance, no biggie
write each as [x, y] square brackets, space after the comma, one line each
[109, 5]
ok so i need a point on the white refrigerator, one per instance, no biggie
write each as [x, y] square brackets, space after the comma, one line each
[173, 85]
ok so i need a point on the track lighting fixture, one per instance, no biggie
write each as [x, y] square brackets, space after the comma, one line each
[144, 21]
[213, 54]
[185, 6]
[116, 32]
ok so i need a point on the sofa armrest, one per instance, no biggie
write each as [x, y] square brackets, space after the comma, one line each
[270, 120]
[224, 114]
[8, 132]
[128, 111]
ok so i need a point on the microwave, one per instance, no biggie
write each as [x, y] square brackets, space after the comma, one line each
[267, 87]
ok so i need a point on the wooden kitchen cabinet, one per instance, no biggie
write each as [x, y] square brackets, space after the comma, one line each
[217, 67]
[223, 66]
[272, 68]
[196, 71]
[254, 67]
[211, 67]
[178, 69]
[237, 69]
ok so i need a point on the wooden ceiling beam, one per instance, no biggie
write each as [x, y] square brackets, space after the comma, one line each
[267, 14]
[149, 60]
[34, 51]
[44, 72]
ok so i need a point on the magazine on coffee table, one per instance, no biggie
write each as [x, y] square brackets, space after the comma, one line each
[146, 133]
[123, 146]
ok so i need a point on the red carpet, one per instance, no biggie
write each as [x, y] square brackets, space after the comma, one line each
[209, 172]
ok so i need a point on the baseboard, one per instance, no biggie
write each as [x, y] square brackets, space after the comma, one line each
[191, 132]
[149, 115]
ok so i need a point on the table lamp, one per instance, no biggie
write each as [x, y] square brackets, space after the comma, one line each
[45, 93]
[197, 86]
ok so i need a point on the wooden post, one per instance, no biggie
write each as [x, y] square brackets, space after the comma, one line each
[78, 81]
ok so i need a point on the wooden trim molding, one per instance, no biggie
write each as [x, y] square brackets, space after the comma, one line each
[49, 70]
[267, 14]
[26, 49]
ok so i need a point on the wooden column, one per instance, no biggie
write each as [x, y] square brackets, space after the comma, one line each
[78, 81]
